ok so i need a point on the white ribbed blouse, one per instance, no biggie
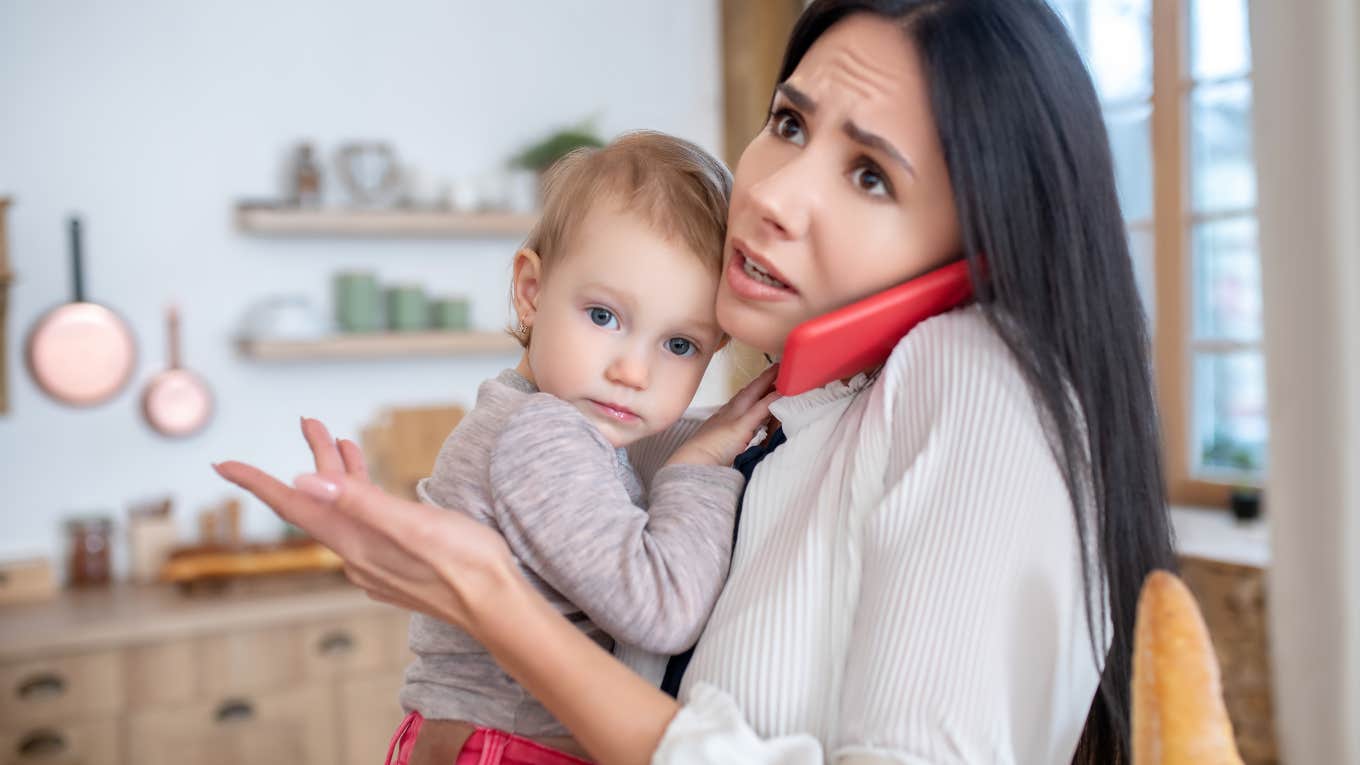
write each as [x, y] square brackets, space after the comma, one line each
[906, 586]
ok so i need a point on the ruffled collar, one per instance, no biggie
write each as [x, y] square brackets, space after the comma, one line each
[797, 412]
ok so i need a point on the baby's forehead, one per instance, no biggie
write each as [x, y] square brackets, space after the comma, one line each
[648, 296]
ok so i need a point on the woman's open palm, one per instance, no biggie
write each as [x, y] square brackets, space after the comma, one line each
[407, 553]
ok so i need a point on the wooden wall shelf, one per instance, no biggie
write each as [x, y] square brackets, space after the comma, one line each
[380, 345]
[284, 221]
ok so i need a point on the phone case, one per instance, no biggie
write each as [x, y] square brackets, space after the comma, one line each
[852, 339]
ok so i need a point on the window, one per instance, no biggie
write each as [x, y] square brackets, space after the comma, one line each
[1174, 78]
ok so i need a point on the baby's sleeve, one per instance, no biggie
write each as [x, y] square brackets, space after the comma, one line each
[648, 579]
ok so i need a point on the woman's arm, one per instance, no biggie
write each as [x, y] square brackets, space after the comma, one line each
[617, 716]
[453, 568]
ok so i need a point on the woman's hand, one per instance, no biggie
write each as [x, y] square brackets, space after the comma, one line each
[727, 433]
[445, 564]
[413, 555]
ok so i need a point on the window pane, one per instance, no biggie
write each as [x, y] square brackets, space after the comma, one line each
[1141, 248]
[1131, 143]
[1115, 38]
[1227, 280]
[1221, 172]
[1219, 43]
[1230, 412]
[1222, 176]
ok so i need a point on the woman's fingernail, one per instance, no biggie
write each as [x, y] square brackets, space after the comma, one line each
[316, 487]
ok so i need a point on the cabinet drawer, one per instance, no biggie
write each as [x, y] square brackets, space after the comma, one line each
[159, 674]
[337, 647]
[60, 689]
[396, 629]
[253, 660]
[369, 715]
[295, 727]
[91, 743]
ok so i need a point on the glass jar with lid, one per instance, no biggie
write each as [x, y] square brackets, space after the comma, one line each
[90, 561]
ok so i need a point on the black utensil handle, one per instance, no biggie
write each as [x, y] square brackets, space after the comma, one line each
[77, 278]
[172, 326]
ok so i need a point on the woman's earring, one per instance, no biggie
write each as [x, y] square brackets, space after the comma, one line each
[522, 328]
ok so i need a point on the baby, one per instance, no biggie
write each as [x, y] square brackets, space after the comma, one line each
[614, 292]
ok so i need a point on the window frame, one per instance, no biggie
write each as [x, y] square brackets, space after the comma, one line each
[1173, 258]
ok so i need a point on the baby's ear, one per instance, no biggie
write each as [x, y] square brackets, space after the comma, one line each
[527, 282]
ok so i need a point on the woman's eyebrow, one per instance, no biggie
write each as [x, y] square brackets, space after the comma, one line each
[797, 97]
[803, 102]
[863, 137]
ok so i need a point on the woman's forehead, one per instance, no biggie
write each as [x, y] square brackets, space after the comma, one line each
[865, 69]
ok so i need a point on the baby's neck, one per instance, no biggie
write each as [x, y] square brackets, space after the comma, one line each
[524, 370]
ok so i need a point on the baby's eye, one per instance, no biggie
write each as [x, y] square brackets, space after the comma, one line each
[680, 346]
[603, 317]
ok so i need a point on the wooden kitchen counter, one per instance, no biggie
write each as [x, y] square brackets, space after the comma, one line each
[83, 620]
[287, 670]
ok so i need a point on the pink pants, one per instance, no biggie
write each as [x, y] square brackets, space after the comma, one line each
[487, 746]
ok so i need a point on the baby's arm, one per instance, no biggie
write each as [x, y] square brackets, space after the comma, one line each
[647, 577]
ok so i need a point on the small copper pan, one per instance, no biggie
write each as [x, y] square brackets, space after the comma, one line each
[81, 353]
[176, 402]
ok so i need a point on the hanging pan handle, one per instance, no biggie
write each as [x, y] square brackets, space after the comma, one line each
[77, 279]
[172, 331]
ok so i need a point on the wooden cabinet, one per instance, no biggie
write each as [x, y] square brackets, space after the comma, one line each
[368, 716]
[60, 689]
[295, 727]
[69, 743]
[1233, 600]
[304, 679]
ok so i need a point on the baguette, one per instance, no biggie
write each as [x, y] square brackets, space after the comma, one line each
[1178, 712]
[250, 562]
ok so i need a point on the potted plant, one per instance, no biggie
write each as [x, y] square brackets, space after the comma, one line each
[1245, 499]
[540, 155]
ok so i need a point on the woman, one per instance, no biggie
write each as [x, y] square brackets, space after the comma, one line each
[942, 561]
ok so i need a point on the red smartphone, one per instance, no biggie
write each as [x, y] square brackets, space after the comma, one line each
[849, 340]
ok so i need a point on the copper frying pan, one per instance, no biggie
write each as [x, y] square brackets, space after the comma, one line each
[176, 401]
[81, 353]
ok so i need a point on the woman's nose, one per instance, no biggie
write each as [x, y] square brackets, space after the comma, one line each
[630, 370]
[784, 199]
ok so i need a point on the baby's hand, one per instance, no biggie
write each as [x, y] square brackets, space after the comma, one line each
[725, 435]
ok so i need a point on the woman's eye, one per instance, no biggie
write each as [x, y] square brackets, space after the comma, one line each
[785, 125]
[680, 346]
[870, 180]
[603, 317]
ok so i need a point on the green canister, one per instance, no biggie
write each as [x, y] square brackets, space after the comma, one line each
[451, 314]
[358, 302]
[407, 309]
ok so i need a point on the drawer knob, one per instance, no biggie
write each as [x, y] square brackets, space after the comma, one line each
[335, 643]
[235, 711]
[41, 687]
[42, 744]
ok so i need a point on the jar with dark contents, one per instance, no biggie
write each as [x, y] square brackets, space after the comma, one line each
[91, 562]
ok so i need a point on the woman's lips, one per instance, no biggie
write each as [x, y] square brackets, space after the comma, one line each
[747, 286]
[614, 411]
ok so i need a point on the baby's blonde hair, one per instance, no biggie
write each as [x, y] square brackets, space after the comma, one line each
[675, 186]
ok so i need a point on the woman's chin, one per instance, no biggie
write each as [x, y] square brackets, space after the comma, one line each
[751, 327]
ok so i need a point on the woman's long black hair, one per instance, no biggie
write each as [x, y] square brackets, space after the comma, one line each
[1033, 178]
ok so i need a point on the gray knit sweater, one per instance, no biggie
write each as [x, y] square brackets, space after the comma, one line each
[645, 573]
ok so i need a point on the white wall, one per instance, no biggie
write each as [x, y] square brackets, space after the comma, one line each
[151, 118]
[1307, 131]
